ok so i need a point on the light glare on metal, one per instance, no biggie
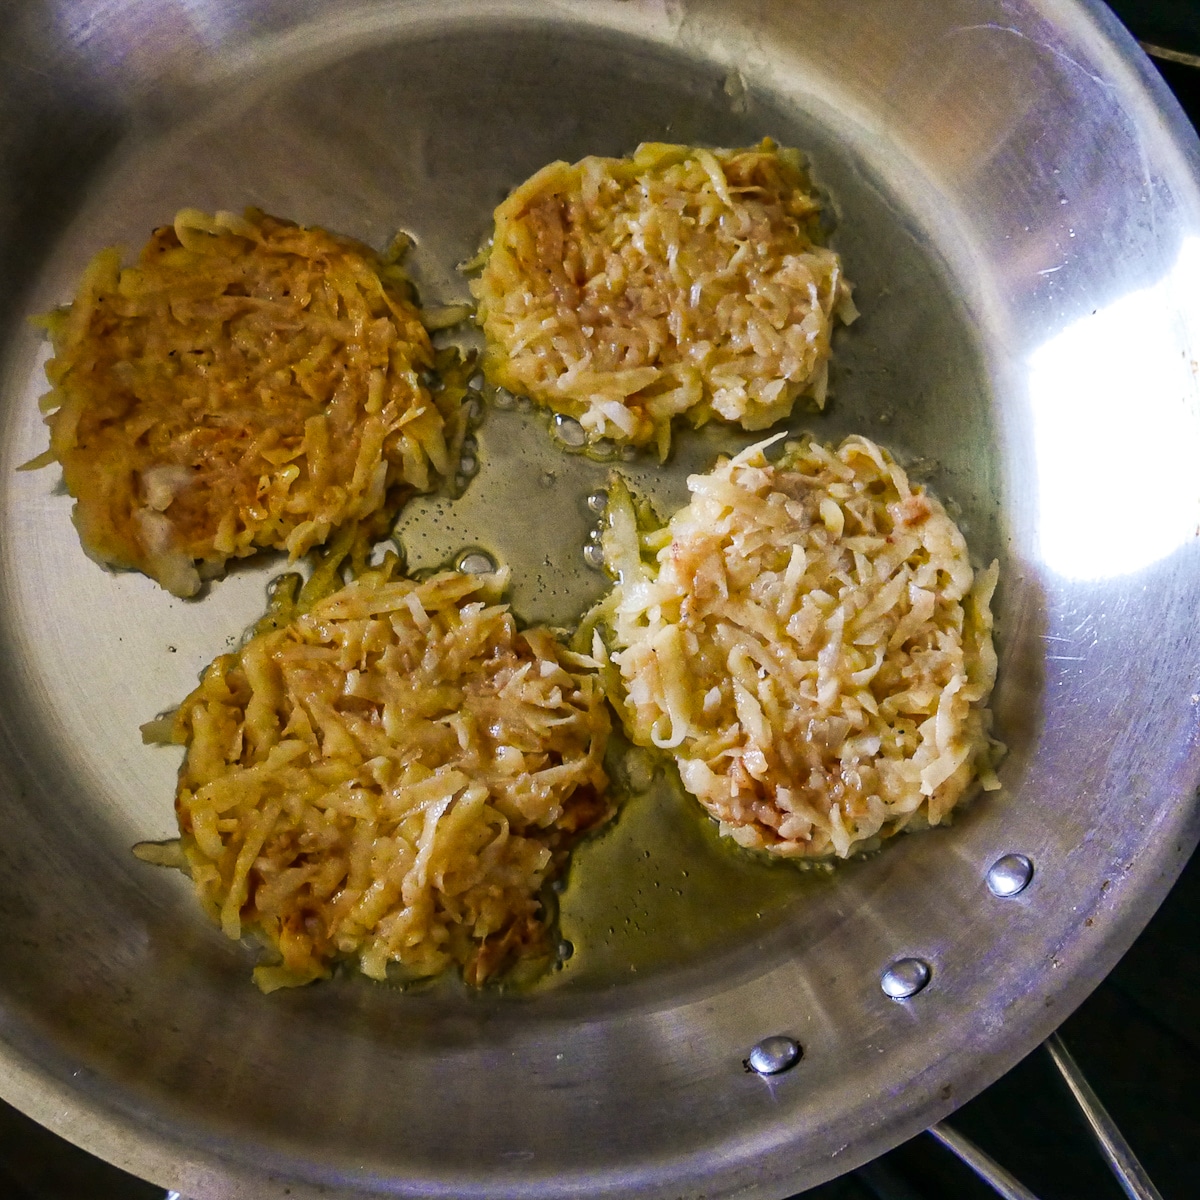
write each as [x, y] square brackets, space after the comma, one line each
[774, 1054]
[1009, 875]
[905, 978]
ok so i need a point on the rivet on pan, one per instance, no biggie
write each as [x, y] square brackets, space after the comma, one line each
[476, 563]
[1009, 875]
[904, 978]
[773, 1055]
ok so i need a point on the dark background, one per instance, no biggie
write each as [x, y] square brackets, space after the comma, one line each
[1137, 1038]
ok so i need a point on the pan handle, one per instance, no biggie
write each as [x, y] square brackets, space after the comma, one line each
[1121, 1160]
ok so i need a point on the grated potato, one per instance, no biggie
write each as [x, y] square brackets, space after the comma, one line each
[811, 644]
[249, 383]
[391, 778]
[625, 291]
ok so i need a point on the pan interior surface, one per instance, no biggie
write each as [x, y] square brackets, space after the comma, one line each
[1020, 253]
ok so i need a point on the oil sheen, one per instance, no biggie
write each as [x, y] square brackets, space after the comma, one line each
[658, 888]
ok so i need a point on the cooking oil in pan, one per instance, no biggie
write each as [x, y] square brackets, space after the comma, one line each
[534, 501]
[658, 888]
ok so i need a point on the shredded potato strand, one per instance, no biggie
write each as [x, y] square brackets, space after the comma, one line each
[622, 292]
[812, 645]
[249, 383]
[391, 779]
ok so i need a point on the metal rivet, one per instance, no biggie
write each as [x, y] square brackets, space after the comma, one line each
[773, 1055]
[477, 563]
[904, 978]
[1009, 875]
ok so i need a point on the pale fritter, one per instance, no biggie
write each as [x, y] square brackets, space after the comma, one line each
[249, 383]
[624, 292]
[810, 642]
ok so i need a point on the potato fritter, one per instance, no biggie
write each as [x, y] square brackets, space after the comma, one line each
[391, 778]
[625, 291]
[811, 644]
[250, 383]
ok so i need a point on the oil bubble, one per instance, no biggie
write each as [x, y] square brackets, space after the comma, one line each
[569, 431]
[476, 562]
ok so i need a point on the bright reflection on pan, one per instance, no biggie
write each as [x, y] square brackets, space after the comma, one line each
[1116, 429]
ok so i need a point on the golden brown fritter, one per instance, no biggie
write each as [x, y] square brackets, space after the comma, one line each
[249, 383]
[391, 778]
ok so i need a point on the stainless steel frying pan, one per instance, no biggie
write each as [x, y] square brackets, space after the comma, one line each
[1016, 199]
